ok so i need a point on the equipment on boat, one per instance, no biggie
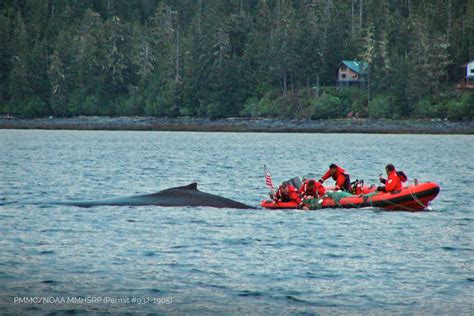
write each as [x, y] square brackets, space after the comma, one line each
[414, 197]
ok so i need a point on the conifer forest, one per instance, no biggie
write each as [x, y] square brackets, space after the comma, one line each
[231, 58]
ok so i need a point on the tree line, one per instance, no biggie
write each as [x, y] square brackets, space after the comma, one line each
[215, 59]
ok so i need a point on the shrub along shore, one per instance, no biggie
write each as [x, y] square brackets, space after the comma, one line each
[350, 125]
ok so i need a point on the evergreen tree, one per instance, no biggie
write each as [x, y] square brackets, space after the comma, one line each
[6, 29]
[377, 41]
[428, 60]
[20, 79]
[216, 59]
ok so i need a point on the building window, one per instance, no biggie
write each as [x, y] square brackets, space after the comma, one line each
[343, 76]
[472, 71]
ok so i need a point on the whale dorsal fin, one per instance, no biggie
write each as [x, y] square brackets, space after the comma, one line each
[189, 187]
[192, 186]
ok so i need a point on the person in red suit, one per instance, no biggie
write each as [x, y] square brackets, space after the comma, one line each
[312, 189]
[393, 182]
[286, 193]
[343, 181]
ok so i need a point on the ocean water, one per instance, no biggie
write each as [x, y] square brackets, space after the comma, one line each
[113, 259]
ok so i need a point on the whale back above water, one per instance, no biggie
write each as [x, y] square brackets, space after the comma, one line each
[187, 195]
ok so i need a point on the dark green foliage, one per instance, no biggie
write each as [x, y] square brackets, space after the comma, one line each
[327, 106]
[265, 106]
[229, 58]
[426, 108]
[380, 107]
[462, 109]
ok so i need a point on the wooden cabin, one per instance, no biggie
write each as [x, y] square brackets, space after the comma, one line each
[352, 73]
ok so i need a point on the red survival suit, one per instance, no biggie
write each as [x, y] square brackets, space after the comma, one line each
[393, 183]
[292, 195]
[341, 178]
[317, 191]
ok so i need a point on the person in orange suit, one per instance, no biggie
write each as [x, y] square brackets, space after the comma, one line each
[311, 189]
[338, 174]
[393, 182]
[286, 193]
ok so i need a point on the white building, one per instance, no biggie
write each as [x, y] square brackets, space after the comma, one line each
[470, 72]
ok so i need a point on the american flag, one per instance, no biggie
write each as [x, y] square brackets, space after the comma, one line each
[268, 178]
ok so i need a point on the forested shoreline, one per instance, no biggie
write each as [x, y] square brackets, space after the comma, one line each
[267, 125]
[250, 58]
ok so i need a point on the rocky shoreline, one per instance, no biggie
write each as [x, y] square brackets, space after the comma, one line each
[241, 125]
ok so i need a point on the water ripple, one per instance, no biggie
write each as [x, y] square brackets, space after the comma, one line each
[212, 261]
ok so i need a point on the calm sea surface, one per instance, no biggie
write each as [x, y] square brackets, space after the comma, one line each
[150, 259]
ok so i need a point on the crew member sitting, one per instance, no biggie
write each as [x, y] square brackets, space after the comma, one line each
[393, 183]
[287, 193]
[343, 181]
[312, 189]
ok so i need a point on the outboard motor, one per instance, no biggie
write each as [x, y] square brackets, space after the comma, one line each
[295, 182]
[356, 186]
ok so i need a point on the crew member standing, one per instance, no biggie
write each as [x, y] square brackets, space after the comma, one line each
[343, 181]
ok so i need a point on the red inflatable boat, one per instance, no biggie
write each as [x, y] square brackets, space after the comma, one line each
[411, 198]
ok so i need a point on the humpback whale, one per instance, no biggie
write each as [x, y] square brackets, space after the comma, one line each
[187, 195]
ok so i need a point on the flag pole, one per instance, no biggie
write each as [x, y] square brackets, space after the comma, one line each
[268, 179]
